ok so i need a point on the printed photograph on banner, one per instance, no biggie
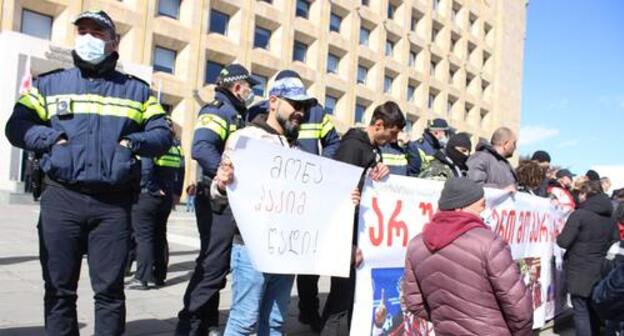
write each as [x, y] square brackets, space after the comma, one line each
[390, 316]
[531, 273]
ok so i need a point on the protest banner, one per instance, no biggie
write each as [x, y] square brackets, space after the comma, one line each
[394, 211]
[293, 209]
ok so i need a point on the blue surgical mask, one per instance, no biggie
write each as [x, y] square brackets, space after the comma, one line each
[90, 49]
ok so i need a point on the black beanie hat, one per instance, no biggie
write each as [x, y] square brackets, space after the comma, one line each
[592, 175]
[460, 140]
[459, 192]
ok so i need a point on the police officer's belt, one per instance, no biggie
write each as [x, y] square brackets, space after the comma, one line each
[90, 190]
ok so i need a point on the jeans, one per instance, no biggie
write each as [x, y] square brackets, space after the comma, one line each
[190, 204]
[612, 328]
[259, 300]
[586, 322]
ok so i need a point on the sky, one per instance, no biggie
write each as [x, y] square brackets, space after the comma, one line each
[573, 85]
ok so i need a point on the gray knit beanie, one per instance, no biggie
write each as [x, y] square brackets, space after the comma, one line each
[459, 192]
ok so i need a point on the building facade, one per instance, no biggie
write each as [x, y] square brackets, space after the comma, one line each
[456, 59]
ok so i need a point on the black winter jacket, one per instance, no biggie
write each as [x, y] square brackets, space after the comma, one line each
[587, 235]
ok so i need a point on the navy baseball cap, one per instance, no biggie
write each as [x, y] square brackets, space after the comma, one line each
[235, 72]
[438, 124]
[98, 16]
[564, 172]
[291, 87]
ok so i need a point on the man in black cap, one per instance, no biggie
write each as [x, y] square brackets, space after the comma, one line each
[216, 226]
[542, 157]
[592, 175]
[420, 153]
[560, 190]
[88, 123]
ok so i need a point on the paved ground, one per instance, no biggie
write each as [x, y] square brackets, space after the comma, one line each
[148, 312]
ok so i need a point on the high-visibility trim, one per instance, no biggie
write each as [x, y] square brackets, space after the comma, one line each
[309, 134]
[151, 108]
[425, 159]
[96, 98]
[33, 100]
[310, 126]
[394, 159]
[233, 128]
[169, 161]
[327, 126]
[213, 123]
[83, 107]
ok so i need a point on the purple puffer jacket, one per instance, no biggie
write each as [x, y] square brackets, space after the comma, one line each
[460, 276]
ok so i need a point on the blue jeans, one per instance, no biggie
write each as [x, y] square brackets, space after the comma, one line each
[259, 300]
[586, 322]
[190, 204]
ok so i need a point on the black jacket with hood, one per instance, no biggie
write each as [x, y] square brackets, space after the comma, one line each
[587, 235]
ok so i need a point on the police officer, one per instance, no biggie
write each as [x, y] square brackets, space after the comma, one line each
[161, 184]
[317, 135]
[395, 158]
[420, 153]
[88, 122]
[215, 122]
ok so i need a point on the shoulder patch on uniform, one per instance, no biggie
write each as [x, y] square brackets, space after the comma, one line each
[137, 78]
[216, 103]
[49, 73]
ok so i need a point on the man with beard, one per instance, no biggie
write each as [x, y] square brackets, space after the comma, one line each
[489, 167]
[450, 162]
[260, 300]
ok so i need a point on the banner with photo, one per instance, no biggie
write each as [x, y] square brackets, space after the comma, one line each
[394, 211]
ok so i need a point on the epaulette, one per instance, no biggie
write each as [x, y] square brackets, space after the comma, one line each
[49, 73]
[137, 78]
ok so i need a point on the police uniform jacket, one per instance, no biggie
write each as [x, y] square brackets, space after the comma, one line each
[164, 173]
[395, 158]
[420, 153]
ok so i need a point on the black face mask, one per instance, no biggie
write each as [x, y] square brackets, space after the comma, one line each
[458, 158]
[291, 131]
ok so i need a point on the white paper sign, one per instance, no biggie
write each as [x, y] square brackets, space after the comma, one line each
[394, 211]
[293, 209]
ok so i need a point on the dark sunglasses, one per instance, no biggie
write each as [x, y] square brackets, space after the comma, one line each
[297, 105]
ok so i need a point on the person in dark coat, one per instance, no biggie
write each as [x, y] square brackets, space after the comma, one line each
[586, 236]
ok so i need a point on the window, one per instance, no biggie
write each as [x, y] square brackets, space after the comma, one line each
[451, 75]
[303, 8]
[164, 60]
[389, 47]
[410, 92]
[412, 58]
[212, 72]
[170, 8]
[414, 22]
[431, 100]
[332, 63]
[436, 5]
[361, 74]
[364, 35]
[261, 38]
[261, 86]
[37, 25]
[360, 110]
[365, 2]
[434, 33]
[299, 51]
[334, 22]
[330, 104]
[391, 10]
[218, 22]
[432, 68]
[388, 83]
[449, 106]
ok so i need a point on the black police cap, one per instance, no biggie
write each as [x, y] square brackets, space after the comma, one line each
[235, 72]
[98, 16]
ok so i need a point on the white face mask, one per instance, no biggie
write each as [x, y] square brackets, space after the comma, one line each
[250, 98]
[90, 49]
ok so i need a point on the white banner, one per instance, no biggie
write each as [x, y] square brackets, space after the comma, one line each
[293, 209]
[394, 211]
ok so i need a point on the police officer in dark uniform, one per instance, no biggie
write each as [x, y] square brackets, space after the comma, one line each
[317, 135]
[395, 158]
[160, 185]
[88, 123]
[216, 121]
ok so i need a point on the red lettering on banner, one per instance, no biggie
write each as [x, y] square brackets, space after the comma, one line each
[395, 227]
[377, 239]
[398, 226]
[427, 209]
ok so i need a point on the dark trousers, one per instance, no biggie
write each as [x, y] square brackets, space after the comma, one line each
[307, 288]
[149, 221]
[70, 225]
[586, 322]
[339, 306]
[201, 299]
